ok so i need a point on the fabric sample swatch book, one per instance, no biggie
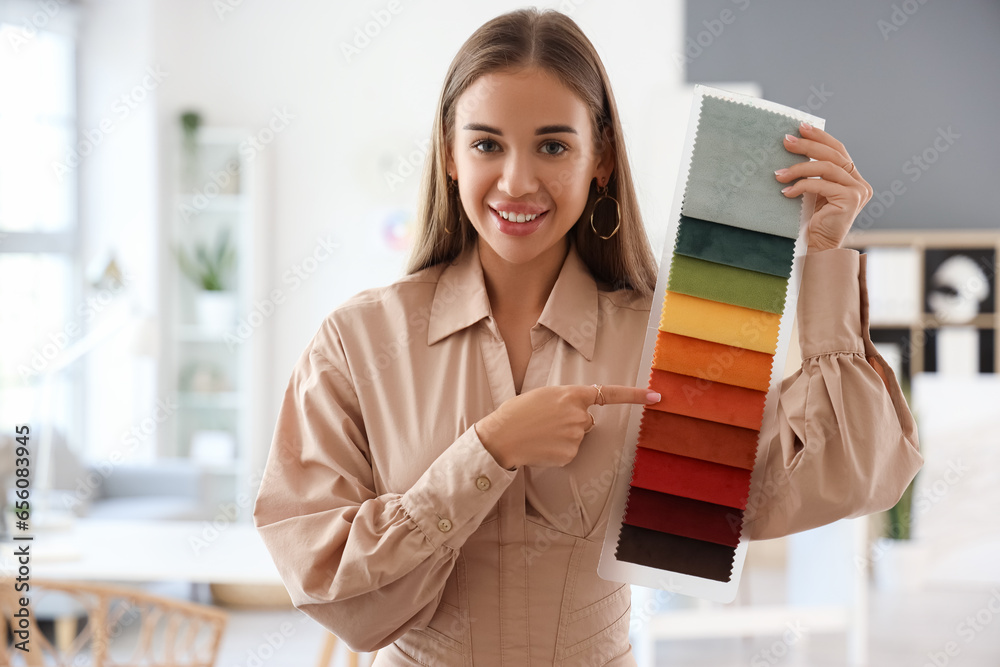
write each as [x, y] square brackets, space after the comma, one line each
[715, 350]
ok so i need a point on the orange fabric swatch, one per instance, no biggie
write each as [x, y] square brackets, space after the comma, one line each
[699, 439]
[691, 478]
[720, 322]
[712, 361]
[704, 399]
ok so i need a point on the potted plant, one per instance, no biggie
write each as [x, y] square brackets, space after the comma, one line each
[190, 123]
[895, 556]
[209, 269]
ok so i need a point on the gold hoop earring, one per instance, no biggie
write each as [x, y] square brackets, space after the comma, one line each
[602, 193]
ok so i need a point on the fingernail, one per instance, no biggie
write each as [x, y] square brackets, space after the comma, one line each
[805, 126]
[781, 172]
[653, 397]
[791, 139]
[785, 190]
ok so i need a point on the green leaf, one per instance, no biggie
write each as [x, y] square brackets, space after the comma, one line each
[209, 266]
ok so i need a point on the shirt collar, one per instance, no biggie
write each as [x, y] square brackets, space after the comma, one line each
[460, 300]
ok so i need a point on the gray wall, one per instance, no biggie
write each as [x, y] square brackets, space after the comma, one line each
[894, 91]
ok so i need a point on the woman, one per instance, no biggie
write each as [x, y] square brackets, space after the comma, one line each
[439, 479]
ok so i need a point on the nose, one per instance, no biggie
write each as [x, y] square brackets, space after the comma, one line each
[518, 177]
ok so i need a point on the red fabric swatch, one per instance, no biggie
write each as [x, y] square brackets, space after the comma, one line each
[704, 399]
[683, 516]
[691, 478]
[712, 361]
[698, 438]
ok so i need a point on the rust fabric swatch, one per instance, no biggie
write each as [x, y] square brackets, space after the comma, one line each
[704, 399]
[698, 438]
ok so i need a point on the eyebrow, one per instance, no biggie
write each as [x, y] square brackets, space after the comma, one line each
[546, 129]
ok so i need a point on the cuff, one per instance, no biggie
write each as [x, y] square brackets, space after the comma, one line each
[457, 491]
[830, 312]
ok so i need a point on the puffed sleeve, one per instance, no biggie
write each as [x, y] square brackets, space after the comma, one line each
[845, 444]
[368, 567]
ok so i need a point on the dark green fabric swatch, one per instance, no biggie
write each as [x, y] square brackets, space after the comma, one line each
[743, 248]
[736, 151]
[727, 284]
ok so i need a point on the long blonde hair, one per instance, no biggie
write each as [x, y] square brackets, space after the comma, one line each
[553, 42]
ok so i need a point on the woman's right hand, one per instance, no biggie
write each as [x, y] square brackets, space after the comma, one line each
[544, 427]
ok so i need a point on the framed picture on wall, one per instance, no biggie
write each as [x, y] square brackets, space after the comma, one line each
[959, 283]
[933, 299]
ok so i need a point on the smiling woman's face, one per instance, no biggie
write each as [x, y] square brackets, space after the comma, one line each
[524, 156]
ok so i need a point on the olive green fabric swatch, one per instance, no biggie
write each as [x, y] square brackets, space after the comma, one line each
[742, 248]
[727, 284]
[737, 149]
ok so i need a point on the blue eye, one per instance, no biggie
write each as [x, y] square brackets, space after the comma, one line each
[482, 145]
[560, 148]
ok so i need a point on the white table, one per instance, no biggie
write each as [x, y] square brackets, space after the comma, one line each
[148, 551]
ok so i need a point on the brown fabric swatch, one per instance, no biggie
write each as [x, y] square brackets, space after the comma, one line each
[664, 551]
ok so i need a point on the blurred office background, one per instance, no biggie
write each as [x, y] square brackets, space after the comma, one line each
[187, 188]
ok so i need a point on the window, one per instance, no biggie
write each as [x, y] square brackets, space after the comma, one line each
[38, 219]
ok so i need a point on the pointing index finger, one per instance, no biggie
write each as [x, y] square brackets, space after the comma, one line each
[616, 393]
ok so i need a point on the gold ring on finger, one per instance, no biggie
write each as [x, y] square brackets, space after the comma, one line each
[599, 399]
[593, 422]
[851, 165]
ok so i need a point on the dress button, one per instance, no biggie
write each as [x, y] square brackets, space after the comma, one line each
[483, 483]
[444, 525]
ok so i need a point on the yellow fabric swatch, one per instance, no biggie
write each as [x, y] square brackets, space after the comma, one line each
[720, 322]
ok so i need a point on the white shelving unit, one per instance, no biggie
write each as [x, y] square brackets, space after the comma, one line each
[213, 371]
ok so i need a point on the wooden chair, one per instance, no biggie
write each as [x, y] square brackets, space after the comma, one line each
[168, 633]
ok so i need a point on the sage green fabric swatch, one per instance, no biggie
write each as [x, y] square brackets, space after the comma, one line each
[742, 248]
[737, 149]
[727, 284]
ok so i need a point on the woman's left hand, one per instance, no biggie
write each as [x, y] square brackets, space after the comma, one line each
[840, 191]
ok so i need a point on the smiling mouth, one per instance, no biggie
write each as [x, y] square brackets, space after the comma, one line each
[518, 217]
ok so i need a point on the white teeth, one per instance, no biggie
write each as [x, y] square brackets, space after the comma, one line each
[518, 217]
